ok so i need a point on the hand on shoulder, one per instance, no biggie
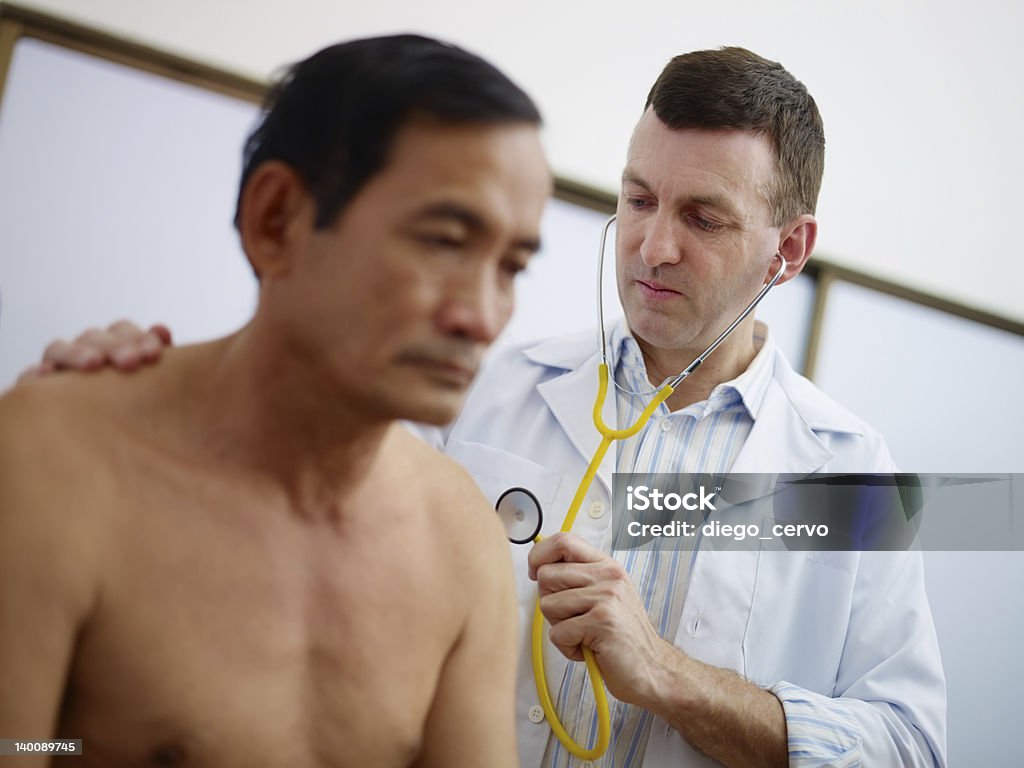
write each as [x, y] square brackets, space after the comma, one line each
[123, 346]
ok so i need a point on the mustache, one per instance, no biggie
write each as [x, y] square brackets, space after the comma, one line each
[466, 356]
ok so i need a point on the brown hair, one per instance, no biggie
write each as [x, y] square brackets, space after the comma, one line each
[734, 88]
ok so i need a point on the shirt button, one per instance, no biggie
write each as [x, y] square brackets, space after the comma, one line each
[596, 509]
[536, 713]
[587, 764]
[666, 425]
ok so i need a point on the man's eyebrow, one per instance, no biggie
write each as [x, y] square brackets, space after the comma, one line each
[711, 201]
[629, 176]
[448, 210]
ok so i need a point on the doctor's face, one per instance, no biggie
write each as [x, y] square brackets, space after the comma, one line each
[694, 242]
[399, 298]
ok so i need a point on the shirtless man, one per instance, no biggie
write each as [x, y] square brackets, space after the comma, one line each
[238, 557]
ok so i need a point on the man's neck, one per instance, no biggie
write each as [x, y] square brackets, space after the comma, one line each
[726, 363]
[256, 407]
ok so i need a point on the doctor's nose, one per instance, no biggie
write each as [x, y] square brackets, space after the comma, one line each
[661, 243]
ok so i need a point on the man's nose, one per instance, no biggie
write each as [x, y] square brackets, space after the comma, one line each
[661, 243]
[475, 308]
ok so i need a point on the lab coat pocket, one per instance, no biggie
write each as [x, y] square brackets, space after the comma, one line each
[495, 471]
[798, 619]
[717, 607]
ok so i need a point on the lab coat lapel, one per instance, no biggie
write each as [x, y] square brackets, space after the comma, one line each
[571, 400]
[780, 443]
[781, 440]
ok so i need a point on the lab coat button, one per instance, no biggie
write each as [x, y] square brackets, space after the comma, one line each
[596, 509]
[536, 713]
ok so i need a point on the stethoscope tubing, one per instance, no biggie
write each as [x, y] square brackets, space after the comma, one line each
[608, 436]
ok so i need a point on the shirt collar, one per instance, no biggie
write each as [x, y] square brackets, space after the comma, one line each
[750, 387]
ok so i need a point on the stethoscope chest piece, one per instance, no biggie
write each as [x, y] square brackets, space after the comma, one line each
[520, 511]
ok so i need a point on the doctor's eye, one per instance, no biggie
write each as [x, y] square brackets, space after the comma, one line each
[638, 203]
[705, 224]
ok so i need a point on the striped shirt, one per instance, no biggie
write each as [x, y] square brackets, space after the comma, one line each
[704, 437]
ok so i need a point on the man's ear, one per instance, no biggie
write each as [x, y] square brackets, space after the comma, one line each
[796, 242]
[275, 216]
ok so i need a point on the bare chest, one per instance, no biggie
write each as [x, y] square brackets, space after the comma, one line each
[226, 635]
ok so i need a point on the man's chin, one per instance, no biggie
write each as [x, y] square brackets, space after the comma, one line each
[438, 411]
[656, 332]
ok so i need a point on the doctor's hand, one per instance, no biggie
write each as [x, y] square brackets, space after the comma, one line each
[124, 346]
[590, 600]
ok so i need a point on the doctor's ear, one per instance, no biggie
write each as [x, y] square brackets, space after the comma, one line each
[275, 218]
[796, 243]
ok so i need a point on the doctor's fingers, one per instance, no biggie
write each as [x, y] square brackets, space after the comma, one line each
[563, 547]
[123, 345]
[79, 356]
[613, 639]
[568, 637]
[557, 577]
[605, 603]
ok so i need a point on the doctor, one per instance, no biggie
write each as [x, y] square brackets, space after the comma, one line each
[739, 658]
[751, 658]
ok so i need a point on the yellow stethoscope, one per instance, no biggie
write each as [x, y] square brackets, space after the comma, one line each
[523, 517]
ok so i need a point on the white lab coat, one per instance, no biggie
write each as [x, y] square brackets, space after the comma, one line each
[848, 625]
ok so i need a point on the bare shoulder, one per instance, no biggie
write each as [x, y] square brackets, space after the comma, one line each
[28, 402]
[452, 495]
[36, 420]
[74, 418]
[49, 414]
[462, 522]
[49, 549]
[48, 464]
[472, 717]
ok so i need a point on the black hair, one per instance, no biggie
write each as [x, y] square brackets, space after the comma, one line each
[333, 117]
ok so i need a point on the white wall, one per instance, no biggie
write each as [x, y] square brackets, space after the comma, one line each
[116, 198]
[922, 101]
